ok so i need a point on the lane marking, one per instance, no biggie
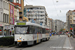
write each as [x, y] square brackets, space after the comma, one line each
[63, 47]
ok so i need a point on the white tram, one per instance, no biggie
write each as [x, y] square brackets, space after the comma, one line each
[28, 33]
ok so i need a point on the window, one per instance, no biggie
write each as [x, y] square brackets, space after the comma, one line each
[74, 21]
[36, 30]
[39, 30]
[21, 30]
[70, 21]
[70, 17]
[7, 18]
[73, 13]
[32, 30]
[17, 1]
[43, 30]
[10, 0]
[73, 17]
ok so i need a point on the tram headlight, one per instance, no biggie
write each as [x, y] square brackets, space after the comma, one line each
[20, 37]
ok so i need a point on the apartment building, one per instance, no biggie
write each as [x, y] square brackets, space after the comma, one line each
[19, 3]
[4, 15]
[50, 24]
[59, 25]
[8, 14]
[46, 19]
[65, 26]
[53, 25]
[35, 12]
[70, 18]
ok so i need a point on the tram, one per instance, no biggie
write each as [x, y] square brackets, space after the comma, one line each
[28, 33]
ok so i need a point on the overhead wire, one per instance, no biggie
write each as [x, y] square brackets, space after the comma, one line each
[55, 7]
[27, 2]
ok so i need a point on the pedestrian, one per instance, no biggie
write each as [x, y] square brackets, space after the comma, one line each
[68, 34]
[50, 34]
[59, 33]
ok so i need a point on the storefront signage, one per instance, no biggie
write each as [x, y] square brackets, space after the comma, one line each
[7, 27]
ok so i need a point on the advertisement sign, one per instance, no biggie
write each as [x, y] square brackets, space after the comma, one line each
[7, 27]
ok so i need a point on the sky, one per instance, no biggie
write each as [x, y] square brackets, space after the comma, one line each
[54, 9]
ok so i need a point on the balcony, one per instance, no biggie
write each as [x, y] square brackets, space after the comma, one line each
[74, 18]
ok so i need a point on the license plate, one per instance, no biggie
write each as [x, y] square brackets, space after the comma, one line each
[19, 41]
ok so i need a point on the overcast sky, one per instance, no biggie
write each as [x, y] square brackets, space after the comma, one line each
[55, 10]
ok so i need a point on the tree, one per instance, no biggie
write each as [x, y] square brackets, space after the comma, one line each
[61, 30]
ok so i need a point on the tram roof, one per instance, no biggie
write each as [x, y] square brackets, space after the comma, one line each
[35, 24]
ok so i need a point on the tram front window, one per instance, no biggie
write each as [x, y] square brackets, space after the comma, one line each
[21, 30]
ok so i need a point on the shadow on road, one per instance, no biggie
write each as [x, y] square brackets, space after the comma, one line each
[27, 46]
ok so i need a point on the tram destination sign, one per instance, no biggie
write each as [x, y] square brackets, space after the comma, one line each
[21, 23]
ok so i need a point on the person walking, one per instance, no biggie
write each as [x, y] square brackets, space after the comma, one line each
[50, 34]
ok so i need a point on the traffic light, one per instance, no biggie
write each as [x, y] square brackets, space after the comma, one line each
[20, 15]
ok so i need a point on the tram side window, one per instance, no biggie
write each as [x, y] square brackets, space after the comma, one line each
[32, 29]
[39, 30]
[36, 30]
[43, 30]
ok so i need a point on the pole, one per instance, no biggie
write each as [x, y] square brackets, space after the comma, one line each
[22, 8]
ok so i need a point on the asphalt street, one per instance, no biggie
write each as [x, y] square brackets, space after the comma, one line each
[56, 42]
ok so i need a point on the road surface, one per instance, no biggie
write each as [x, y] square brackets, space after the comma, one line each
[56, 42]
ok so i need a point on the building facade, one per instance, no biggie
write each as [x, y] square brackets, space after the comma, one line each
[54, 25]
[7, 16]
[70, 18]
[19, 3]
[59, 25]
[4, 15]
[46, 19]
[16, 2]
[65, 26]
[35, 12]
[50, 24]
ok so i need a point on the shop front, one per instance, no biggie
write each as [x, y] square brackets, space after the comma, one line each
[7, 30]
[12, 30]
[1, 31]
[72, 29]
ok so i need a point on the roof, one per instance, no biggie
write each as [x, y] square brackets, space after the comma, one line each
[34, 24]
